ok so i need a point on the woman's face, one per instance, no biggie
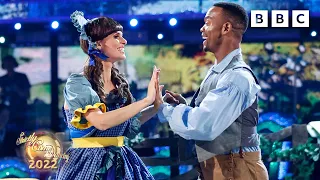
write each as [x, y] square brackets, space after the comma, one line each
[113, 46]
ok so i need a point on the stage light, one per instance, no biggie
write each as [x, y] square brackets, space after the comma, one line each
[268, 47]
[301, 48]
[160, 36]
[2, 39]
[17, 26]
[314, 33]
[173, 21]
[55, 24]
[271, 72]
[133, 22]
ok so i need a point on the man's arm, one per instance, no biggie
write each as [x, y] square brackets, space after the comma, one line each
[235, 92]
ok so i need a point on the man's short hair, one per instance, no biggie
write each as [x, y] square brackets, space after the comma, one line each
[9, 58]
[236, 13]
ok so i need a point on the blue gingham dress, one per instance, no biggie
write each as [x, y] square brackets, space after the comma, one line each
[99, 163]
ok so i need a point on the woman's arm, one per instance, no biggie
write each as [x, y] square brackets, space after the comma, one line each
[103, 121]
[152, 110]
[148, 113]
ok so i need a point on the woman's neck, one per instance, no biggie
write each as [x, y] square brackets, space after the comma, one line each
[106, 73]
[106, 76]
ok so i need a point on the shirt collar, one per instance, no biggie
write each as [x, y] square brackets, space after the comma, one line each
[225, 61]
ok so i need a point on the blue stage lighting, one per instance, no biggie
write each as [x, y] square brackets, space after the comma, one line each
[314, 33]
[17, 26]
[2, 39]
[160, 36]
[55, 24]
[133, 22]
[173, 21]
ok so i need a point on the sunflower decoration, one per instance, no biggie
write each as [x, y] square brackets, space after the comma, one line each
[204, 59]
[197, 73]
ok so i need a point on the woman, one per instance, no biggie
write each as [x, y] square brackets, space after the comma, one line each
[100, 110]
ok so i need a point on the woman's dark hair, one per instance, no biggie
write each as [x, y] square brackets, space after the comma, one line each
[97, 29]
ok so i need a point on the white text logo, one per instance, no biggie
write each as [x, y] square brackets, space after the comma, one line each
[280, 18]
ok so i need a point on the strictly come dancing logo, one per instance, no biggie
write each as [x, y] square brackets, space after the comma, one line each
[42, 150]
[280, 18]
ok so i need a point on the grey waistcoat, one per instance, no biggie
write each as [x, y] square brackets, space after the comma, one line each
[242, 132]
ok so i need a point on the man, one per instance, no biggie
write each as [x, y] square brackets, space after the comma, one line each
[15, 92]
[222, 116]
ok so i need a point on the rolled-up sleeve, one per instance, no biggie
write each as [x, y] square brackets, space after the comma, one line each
[235, 92]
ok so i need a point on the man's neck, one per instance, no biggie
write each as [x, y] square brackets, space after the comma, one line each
[10, 73]
[224, 50]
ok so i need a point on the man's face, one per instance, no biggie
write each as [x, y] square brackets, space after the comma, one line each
[212, 29]
[8, 65]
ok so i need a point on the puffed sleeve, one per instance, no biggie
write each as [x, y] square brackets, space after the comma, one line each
[80, 97]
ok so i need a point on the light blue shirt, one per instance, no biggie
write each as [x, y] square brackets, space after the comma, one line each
[236, 90]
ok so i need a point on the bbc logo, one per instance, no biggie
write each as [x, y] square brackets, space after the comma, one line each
[280, 18]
